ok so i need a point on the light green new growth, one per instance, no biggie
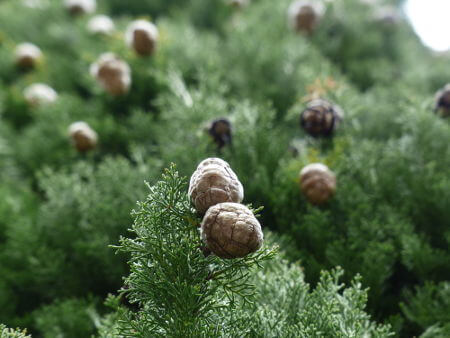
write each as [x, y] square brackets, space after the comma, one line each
[11, 333]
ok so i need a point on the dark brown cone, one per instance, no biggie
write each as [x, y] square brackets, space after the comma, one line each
[442, 105]
[26, 62]
[83, 137]
[238, 4]
[76, 10]
[306, 20]
[220, 130]
[83, 142]
[111, 76]
[142, 42]
[320, 118]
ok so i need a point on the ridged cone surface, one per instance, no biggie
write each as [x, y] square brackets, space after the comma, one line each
[214, 182]
[230, 230]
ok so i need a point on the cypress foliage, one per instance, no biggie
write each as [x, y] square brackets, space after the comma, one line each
[386, 226]
[11, 333]
[176, 290]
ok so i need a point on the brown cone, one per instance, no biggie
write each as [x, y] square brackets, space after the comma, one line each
[317, 183]
[230, 230]
[320, 118]
[143, 43]
[442, 102]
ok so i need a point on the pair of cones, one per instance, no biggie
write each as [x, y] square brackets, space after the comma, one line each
[229, 229]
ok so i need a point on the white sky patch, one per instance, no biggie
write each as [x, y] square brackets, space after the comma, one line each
[431, 21]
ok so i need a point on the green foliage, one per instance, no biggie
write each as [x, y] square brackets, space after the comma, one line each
[85, 219]
[388, 221]
[287, 307]
[271, 66]
[384, 222]
[253, 152]
[204, 14]
[437, 331]
[373, 44]
[178, 291]
[11, 333]
[362, 40]
[68, 318]
[18, 207]
[430, 304]
[85, 211]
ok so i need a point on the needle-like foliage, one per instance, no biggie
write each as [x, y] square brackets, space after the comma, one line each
[176, 287]
[61, 209]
